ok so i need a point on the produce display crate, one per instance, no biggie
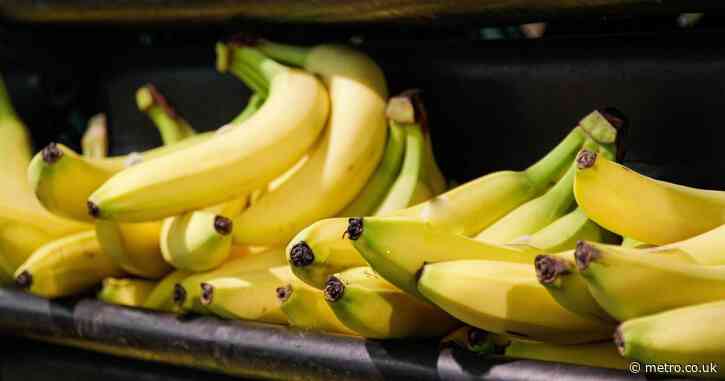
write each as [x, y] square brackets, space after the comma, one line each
[492, 105]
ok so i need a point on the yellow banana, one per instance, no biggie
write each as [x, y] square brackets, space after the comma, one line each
[135, 247]
[341, 164]
[505, 298]
[161, 297]
[688, 335]
[306, 308]
[125, 291]
[66, 267]
[187, 292]
[374, 308]
[602, 355]
[397, 248]
[630, 285]
[563, 234]
[636, 206]
[173, 128]
[249, 296]
[271, 139]
[197, 241]
[95, 139]
[15, 144]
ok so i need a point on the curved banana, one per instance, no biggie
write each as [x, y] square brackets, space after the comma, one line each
[505, 298]
[271, 139]
[66, 267]
[161, 297]
[135, 247]
[196, 241]
[563, 234]
[665, 212]
[15, 144]
[601, 355]
[173, 128]
[374, 308]
[662, 282]
[249, 296]
[340, 166]
[95, 140]
[688, 335]
[306, 308]
[187, 292]
[127, 292]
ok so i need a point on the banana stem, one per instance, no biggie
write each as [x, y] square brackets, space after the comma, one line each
[226, 62]
[290, 54]
[6, 106]
[256, 60]
[95, 139]
[554, 163]
[171, 126]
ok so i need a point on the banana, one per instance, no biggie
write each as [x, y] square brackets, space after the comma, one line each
[306, 308]
[161, 297]
[629, 285]
[66, 267]
[630, 243]
[187, 292]
[95, 140]
[173, 128]
[474, 340]
[341, 164]
[387, 172]
[271, 139]
[125, 291]
[558, 274]
[665, 212]
[248, 296]
[602, 355]
[397, 248]
[374, 308]
[688, 335]
[197, 241]
[135, 247]
[319, 250]
[15, 144]
[505, 298]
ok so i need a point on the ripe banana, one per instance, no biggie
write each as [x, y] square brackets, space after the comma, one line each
[558, 274]
[374, 308]
[66, 267]
[125, 291]
[688, 335]
[173, 128]
[95, 139]
[629, 285]
[397, 248]
[341, 164]
[248, 296]
[187, 292]
[15, 144]
[271, 139]
[161, 297]
[196, 241]
[563, 234]
[135, 247]
[602, 355]
[609, 192]
[505, 298]
[306, 308]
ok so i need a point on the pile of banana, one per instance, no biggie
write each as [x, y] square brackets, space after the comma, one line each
[321, 206]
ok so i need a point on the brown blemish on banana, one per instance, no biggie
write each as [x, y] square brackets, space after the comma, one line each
[223, 225]
[619, 340]
[51, 153]
[284, 292]
[24, 280]
[301, 255]
[93, 209]
[585, 254]
[179, 295]
[585, 159]
[549, 268]
[207, 294]
[334, 289]
[354, 228]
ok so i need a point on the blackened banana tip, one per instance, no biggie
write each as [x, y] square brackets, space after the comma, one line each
[619, 340]
[476, 336]
[223, 225]
[584, 255]
[284, 292]
[354, 228]
[93, 209]
[207, 294]
[548, 268]
[179, 295]
[301, 254]
[24, 280]
[585, 159]
[419, 273]
[334, 289]
[51, 153]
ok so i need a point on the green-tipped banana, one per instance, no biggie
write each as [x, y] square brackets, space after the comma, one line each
[630, 285]
[66, 267]
[187, 292]
[397, 248]
[374, 308]
[688, 335]
[505, 298]
[161, 297]
[173, 128]
[125, 291]
[559, 275]
[306, 308]
[248, 296]
[602, 355]
[197, 241]
[95, 140]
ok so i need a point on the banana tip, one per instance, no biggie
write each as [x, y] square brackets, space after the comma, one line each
[585, 159]
[284, 292]
[207, 294]
[354, 228]
[549, 268]
[476, 337]
[334, 289]
[179, 295]
[619, 340]
[24, 280]
[223, 225]
[93, 209]
[51, 153]
[301, 254]
[584, 255]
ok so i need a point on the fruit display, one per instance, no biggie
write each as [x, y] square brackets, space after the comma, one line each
[321, 207]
